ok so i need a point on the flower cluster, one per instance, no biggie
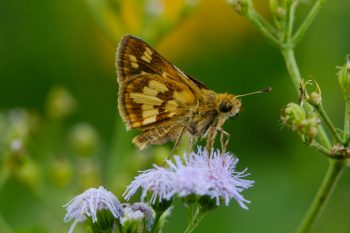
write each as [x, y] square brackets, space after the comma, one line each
[197, 174]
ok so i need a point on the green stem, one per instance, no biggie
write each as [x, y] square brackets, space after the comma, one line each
[289, 23]
[262, 25]
[156, 220]
[308, 20]
[292, 67]
[321, 148]
[195, 220]
[328, 122]
[335, 169]
[346, 121]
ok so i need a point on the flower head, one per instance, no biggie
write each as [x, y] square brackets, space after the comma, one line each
[214, 176]
[189, 179]
[157, 180]
[225, 182]
[89, 203]
[196, 174]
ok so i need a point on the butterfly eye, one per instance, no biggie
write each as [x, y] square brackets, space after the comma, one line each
[225, 107]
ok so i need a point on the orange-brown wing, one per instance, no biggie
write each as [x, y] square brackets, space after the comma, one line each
[149, 99]
[151, 89]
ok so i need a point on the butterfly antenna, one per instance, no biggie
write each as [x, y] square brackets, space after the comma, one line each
[265, 90]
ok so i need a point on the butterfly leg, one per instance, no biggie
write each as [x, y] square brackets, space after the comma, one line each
[224, 143]
[193, 140]
[210, 140]
[177, 142]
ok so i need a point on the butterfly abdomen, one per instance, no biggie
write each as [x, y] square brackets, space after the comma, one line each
[159, 135]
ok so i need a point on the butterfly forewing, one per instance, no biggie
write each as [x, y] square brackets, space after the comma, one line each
[135, 57]
[152, 92]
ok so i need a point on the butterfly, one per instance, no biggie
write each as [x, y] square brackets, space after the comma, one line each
[165, 103]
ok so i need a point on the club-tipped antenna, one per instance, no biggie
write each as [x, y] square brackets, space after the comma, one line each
[265, 90]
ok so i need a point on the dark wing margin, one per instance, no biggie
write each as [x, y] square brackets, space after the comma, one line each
[134, 56]
[198, 83]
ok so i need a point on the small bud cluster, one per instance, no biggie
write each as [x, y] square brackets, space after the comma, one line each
[344, 79]
[295, 117]
[305, 118]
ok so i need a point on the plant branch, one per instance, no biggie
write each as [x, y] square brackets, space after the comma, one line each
[321, 148]
[308, 20]
[335, 169]
[346, 122]
[328, 122]
[262, 25]
[198, 216]
[292, 67]
[292, 4]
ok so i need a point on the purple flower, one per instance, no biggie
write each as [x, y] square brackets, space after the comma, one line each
[188, 179]
[157, 180]
[88, 203]
[226, 183]
[196, 174]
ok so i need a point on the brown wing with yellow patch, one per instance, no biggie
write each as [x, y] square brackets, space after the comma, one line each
[154, 95]
[149, 100]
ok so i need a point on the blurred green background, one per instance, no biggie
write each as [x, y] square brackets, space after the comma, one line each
[60, 131]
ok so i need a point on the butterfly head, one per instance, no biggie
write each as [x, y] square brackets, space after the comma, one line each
[229, 105]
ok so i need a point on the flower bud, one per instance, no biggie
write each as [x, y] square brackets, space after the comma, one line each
[344, 79]
[278, 9]
[240, 6]
[295, 117]
[84, 139]
[315, 99]
[309, 127]
[60, 103]
[292, 115]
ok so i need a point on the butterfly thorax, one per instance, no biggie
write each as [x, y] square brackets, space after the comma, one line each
[212, 111]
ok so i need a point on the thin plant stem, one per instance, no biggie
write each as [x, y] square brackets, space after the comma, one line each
[321, 148]
[329, 182]
[156, 221]
[292, 67]
[346, 121]
[308, 20]
[328, 122]
[290, 22]
[262, 25]
[197, 218]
